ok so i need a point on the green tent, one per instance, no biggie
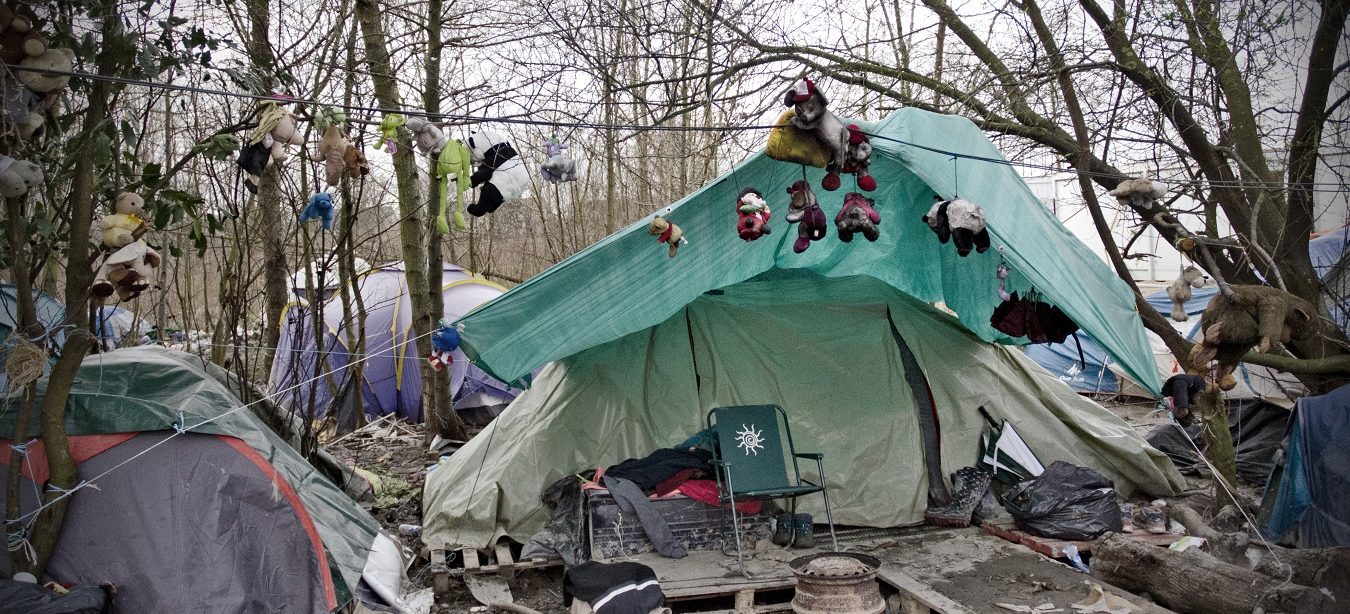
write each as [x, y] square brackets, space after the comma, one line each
[843, 336]
[184, 522]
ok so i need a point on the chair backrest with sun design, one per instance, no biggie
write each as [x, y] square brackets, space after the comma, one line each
[750, 442]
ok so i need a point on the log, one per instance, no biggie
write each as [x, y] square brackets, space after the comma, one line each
[1195, 582]
[1327, 568]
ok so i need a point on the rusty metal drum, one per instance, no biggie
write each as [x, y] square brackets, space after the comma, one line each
[837, 583]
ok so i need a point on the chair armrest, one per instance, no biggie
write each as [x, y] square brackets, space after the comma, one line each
[717, 462]
[809, 455]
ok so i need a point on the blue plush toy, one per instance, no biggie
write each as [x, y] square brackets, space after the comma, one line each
[445, 341]
[320, 207]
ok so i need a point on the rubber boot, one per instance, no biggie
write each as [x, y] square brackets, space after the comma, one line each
[805, 537]
[783, 531]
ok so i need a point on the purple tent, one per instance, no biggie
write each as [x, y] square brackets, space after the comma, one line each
[392, 380]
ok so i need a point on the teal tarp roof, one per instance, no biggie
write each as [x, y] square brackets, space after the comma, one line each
[625, 282]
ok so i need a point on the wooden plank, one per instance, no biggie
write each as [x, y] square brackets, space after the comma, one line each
[925, 594]
[470, 557]
[440, 572]
[712, 587]
[745, 602]
[517, 566]
[506, 565]
[1054, 548]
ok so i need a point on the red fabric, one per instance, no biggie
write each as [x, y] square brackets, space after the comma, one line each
[705, 491]
[665, 236]
[673, 482]
[330, 592]
[82, 448]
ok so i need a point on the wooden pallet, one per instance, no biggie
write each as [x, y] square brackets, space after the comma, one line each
[498, 561]
[1054, 548]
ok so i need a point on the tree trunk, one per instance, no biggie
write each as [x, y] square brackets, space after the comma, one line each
[437, 397]
[28, 328]
[1196, 582]
[268, 200]
[410, 202]
[1219, 444]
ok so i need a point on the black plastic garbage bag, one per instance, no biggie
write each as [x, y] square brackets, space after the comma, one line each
[1065, 502]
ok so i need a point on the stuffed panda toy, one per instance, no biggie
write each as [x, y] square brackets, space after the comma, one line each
[501, 174]
[958, 221]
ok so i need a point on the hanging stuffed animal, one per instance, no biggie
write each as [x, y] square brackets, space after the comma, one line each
[812, 116]
[1002, 274]
[355, 163]
[126, 224]
[857, 216]
[332, 147]
[27, 94]
[389, 131]
[857, 160]
[1032, 318]
[959, 221]
[444, 342]
[18, 177]
[1256, 316]
[501, 174]
[752, 215]
[812, 226]
[557, 168]
[453, 163]
[267, 143]
[128, 271]
[320, 207]
[667, 232]
[427, 136]
[802, 197]
[1180, 291]
[1140, 192]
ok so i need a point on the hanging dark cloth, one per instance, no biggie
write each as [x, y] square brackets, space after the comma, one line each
[1032, 318]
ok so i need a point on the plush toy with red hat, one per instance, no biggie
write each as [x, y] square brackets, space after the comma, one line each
[813, 116]
[857, 159]
[443, 342]
[752, 215]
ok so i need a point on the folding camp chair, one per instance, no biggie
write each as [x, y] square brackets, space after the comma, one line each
[751, 458]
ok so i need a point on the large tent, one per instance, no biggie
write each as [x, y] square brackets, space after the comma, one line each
[185, 522]
[845, 337]
[1307, 501]
[392, 378]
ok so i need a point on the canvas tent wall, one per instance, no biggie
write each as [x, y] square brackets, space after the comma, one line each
[183, 522]
[1307, 501]
[392, 379]
[643, 345]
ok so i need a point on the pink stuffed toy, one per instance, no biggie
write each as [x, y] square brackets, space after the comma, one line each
[752, 215]
[857, 216]
[812, 227]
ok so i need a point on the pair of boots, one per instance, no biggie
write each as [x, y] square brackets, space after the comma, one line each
[794, 530]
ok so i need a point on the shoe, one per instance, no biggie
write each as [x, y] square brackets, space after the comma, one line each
[1153, 519]
[806, 538]
[783, 531]
[1127, 517]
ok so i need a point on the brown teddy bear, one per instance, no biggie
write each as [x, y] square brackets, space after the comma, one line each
[128, 271]
[666, 232]
[1180, 291]
[1255, 316]
[332, 152]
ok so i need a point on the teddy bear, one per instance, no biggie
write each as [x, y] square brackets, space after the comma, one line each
[320, 207]
[331, 151]
[557, 168]
[1140, 192]
[126, 224]
[812, 116]
[17, 177]
[53, 59]
[18, 39]
[1255, 316]
[812, 226]
[267, 143]
[857, 160]
[801, 198]
[501, 174]
[128, 271]
[427, 136]
[444, 342]
[959, 221]
[1180, 291]
[355, 163]
[857, 216]
[752, 215]
[667, 232]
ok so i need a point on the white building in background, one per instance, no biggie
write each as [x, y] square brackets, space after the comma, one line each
[1060, 192]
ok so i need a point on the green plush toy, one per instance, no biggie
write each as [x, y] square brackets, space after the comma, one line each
[454, 160]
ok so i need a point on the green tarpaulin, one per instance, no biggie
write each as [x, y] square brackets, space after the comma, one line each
[823, 349]
[625, 282]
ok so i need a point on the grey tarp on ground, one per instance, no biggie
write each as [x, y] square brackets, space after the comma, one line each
[149, 388]
[192, 526]
[820, 347]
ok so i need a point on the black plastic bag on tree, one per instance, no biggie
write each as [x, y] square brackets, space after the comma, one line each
[1065, 502]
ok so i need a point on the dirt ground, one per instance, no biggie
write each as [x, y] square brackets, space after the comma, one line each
[395, 453]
